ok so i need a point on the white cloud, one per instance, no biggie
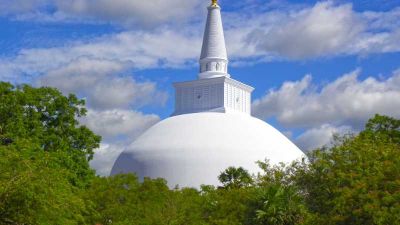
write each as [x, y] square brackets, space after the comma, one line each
[327, 29]
[140, 50]
[320, 136]
[382, 42]
[99, 81]
[345, 101]
[340, 107]
[105, 157]
[8, 7]
[383, 20]
[80, 73]
[321, 30]
[122, 92]
[130, 11]
[119, 124]
[125, 12]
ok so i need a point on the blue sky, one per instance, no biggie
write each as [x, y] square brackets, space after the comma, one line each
[318, 67]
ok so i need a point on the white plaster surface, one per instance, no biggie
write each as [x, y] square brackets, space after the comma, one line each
[213, 40]
[220, 94]
[192, 149]
[213, 58]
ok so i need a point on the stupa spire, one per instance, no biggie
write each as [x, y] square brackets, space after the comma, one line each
[213, 59]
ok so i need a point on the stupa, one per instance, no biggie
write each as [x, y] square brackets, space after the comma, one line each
[211, 127]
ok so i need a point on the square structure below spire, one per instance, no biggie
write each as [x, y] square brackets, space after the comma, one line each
[220, 94]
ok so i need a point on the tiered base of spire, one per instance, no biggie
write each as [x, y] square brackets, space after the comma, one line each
[213, 67]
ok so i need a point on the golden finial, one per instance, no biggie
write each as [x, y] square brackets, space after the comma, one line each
[214, 3]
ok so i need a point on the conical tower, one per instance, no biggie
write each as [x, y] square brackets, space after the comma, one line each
[214, 91]
[213, 59]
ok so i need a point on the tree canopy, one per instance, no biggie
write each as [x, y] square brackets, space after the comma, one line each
[42, 119]
[357, 181]
[44, 156]
[235, 178]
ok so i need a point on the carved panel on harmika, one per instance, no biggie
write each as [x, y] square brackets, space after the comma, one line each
[220, 94]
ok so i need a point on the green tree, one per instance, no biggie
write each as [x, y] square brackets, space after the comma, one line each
[115, 199]
[44, 157]
[227, 206]
[122, 199]
[186, 207]
[47, 121]
[235, 178]
[280, 205]
[382, 127]
[33, 192]
[278, 199]
[357, 181]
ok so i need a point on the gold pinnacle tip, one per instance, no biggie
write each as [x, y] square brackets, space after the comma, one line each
[214, 2]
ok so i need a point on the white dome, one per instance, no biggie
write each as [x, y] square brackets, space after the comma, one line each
[193, 149]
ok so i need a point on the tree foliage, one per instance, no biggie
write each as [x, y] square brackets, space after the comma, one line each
[122, 199]
[235, 178]
[280, 205]
[44, 155]
[42, 119]
[357, 181]
[33, 192]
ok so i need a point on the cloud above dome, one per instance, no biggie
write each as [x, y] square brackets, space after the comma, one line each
[321, 136]
[345, 100]
[103, 86]
[321, 30]
[341, 105]
[327, 29]
[124, 12]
